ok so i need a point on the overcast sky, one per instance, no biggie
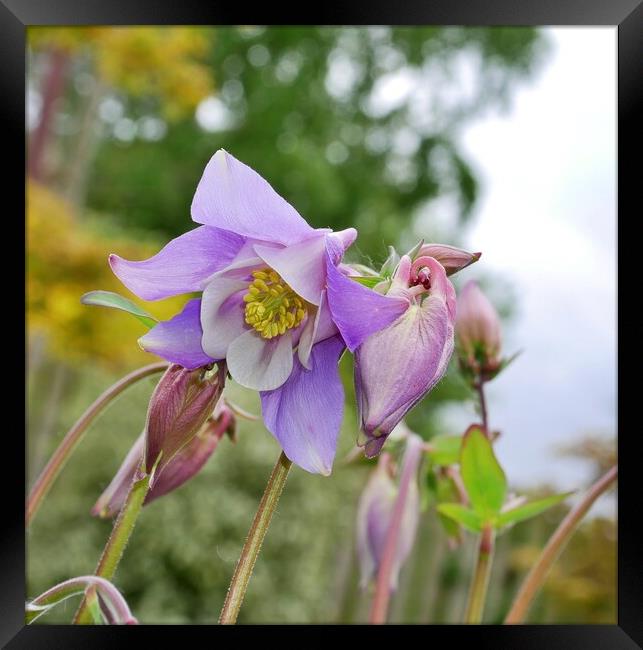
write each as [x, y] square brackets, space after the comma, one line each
[547, 219]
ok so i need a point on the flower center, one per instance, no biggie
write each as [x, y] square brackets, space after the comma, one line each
[272, 307]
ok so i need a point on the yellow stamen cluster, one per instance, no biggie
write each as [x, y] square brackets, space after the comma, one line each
[272, 307]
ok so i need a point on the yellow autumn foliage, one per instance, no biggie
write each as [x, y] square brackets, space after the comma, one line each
[66, 259]
[163, 62]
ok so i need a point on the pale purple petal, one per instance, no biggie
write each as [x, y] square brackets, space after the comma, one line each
[305, 414]
[316, 329]
[344, 237]
[258, 363]
[357, 310]
[222, 315]
[182, 266]
[179, 339]
[397, 366]
[302, 265]
[233, 196]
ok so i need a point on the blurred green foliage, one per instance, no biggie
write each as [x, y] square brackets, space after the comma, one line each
[308, 109]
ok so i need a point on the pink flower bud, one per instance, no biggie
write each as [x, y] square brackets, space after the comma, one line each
[185, 464]
[452, 259]
[182, 401]
[374, 516]
[478, 331]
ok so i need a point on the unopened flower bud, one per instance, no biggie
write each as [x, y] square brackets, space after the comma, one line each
[452, 259]
[182, 401]
[478, 332]
[374, 517]
[185, 464]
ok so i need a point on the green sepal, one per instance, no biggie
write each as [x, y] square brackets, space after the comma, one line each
[528, 510]
[116, 301]
[468, 518]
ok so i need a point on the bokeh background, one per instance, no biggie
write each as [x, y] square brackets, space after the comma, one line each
[498, 139]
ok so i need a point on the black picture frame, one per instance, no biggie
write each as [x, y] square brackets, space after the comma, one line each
[625, 15]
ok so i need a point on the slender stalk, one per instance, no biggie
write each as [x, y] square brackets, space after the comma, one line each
[379, 608]
[483, 406]
[480, 582]
[121, 532]
[256, 534]
[49, 474]
[536, 577]
[115, 605]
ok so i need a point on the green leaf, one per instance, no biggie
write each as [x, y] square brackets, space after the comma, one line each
[482, 475]
[445, 449]
[367, 281]
[529, 509]
[116, 301]
[470, 519]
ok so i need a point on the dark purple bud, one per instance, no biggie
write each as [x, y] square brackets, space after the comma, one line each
[182, 401]
[185, 464]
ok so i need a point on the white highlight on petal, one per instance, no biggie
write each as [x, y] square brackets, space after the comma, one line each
[258, 363]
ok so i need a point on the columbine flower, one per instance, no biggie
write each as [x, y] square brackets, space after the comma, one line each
[374, 516]
[478, 332]
[402, 340]
[262, 270]
[185, 464]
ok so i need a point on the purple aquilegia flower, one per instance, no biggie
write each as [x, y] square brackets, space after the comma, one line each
[402, 339]
[262, 270]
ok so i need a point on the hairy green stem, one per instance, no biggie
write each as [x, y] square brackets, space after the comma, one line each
[536, 577]
[53, 468]
[121, 532]
[483, 406]
[480, 582]
[256, 534]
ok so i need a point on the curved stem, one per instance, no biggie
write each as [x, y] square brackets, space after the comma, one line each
[534, 581]
[256, 534]
[379, 608]
[115, 604]
[480, 582]
[49, 474]
[121, 532]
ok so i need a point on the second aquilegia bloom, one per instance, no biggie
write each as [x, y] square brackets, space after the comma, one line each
[262, 272]
[402, 336]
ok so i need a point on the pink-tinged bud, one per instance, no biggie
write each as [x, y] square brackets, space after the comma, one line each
[182, 401]
[375, 512]
[452, 259]
[397, 366]
[478, 332]
[185, 464]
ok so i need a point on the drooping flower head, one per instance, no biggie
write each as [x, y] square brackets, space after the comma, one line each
[262, 270]
[401, 333]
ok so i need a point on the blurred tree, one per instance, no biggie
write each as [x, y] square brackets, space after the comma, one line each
[354, 126]
[162, 67]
